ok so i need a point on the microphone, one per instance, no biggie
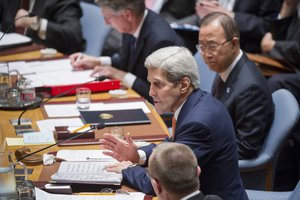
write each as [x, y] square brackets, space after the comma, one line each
[20, 153]
[100, 78]
[11, 24]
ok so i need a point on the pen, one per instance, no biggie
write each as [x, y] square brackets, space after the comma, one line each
[78, 58]
[79, 129]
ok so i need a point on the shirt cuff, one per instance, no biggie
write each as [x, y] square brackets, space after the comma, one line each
[129, 79]
[105, 60]
[43, 28]
[143, 157]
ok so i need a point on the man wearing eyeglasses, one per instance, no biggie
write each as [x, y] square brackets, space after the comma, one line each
[239, 84]
[143, 32]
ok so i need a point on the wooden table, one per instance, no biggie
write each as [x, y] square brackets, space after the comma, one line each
[7, 130]
[27, 53]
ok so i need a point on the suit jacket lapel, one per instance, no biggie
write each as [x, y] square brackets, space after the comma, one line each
[140, 42]
[229, 84]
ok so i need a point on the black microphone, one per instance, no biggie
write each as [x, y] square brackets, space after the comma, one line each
[100, 78]
[12, 23]
[92, 127]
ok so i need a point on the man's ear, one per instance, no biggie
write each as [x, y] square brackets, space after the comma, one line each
[198, 171]
[156, 186]
[235, 43]
[185, 84]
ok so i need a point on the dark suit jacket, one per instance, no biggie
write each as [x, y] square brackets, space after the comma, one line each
[286, 33]
[205, 126]
[63, 30]
[253, 18]
[200, 196]
[155, 34]
[248, 99]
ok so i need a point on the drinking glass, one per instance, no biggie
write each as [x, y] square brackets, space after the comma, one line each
[83, 98]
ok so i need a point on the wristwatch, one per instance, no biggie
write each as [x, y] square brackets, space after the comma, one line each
[36, 24]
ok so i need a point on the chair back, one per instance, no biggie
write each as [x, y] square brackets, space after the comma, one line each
[207, 76]
[94, 29]
[258, 173]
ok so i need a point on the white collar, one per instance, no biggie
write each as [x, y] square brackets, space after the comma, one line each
[191, 195]
[224, 75]
[138, 30]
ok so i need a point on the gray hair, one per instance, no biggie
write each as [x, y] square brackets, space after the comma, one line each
[228, 24]
[137, 6]
[177, 62]
[174, 165]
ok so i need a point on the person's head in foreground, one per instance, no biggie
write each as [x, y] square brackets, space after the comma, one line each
[173, 75]
[174, 171]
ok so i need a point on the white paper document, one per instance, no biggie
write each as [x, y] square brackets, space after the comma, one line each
[84, 155]
[70, 110]
[42, 195]
[37, 138]
[86, 172]
[50, 124]
[11, 39]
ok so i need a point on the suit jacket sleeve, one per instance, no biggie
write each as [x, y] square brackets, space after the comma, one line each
[286, 32]
[63, 30]
[250, 120]
[253, 18]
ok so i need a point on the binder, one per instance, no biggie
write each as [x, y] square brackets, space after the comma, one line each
[109, 84]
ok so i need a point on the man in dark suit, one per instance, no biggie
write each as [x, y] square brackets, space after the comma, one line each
[56, 24]
[239, 85]
[202, 123]
[171, 158]
[143, 33]
[283, 43]
[253, 18]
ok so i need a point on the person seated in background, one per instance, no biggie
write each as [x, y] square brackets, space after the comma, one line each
[253, 18]
[143, 32]
[168, 159]
[239, 84]
[56, 24]
[283, 43]
[202, 123]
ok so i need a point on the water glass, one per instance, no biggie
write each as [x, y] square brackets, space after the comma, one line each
[117, 131]
[83, 98]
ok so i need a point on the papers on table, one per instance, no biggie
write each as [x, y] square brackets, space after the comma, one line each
[13, 39]
[38, 138]
[34, 138]
[50, 124]
[84, 155]
[41, 195]
[70, 110]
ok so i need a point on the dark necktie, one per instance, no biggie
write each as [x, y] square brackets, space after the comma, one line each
[132, 50]
[24, 4]
[219, 89]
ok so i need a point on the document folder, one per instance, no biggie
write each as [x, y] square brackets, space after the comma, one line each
[94, 86]
[115, 117]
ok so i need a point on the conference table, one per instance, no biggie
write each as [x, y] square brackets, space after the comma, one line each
[7, 129]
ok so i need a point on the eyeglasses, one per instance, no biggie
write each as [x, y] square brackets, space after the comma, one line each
[212, 47]
[110, 17]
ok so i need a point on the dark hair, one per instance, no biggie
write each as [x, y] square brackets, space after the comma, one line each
[137, 6]
[229, 25]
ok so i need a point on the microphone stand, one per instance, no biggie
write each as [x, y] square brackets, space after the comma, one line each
[92, 127]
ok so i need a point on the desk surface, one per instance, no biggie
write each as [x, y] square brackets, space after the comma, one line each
[7, 130]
